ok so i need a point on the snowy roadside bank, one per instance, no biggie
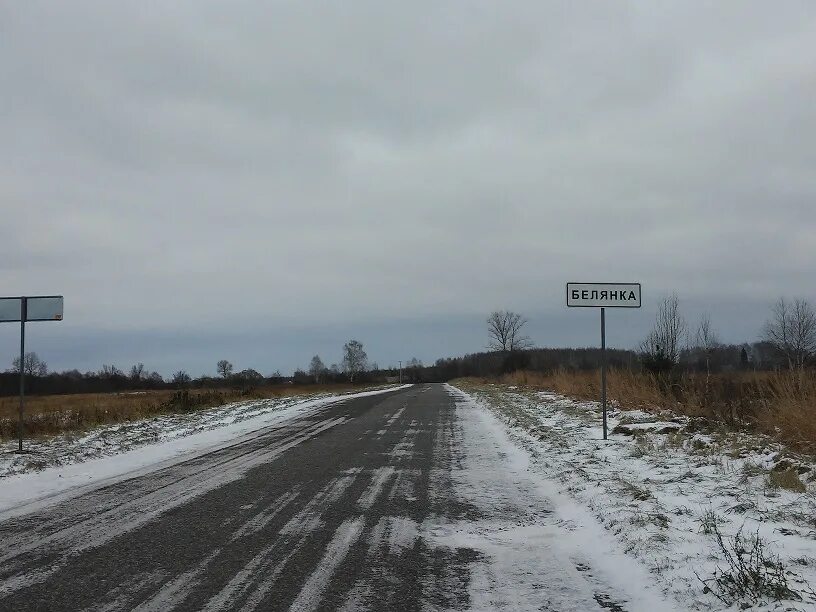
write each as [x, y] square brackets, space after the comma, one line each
[666, 491]
[62, 463]
[538, 549]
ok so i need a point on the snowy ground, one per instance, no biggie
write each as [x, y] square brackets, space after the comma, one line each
[63, 463]
[536, 548]
[663, 490]
[484, 497]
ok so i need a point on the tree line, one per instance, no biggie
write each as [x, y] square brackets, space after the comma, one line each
[787, 340]
[353, 368]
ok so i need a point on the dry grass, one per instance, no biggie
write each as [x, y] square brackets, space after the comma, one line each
[54, 414]
[786, 479]
[781, 404]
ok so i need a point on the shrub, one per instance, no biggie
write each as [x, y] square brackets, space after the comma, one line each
[750, 571]
[786, 479]
[777, 403]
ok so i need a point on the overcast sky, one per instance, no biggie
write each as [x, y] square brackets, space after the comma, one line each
[263, 180]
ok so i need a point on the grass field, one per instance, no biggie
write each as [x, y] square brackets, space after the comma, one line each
[781, 404]
[54, 414]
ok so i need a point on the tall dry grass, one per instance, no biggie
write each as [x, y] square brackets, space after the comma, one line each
[54, 414]
[782, 404]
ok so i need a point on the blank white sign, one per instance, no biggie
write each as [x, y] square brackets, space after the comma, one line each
[44, 308]
[38, 308]
[10, 309]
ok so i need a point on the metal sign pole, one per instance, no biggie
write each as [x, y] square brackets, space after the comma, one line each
[25, 309]
[603, 296]
[23, 313]
[603, 368]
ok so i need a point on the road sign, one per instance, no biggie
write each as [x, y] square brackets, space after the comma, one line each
[38, 308]
[11, 309]
[24, 309]
[603, 296]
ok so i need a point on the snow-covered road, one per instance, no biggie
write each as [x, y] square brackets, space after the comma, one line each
[409, 500]
[538, 549]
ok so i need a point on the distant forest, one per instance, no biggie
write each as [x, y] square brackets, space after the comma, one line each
[671, 347]
[722, 358]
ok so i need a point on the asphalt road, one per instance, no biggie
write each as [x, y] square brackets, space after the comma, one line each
[399, 501]
[315, 514]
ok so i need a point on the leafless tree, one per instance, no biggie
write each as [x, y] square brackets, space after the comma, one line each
[706, 340]
[354, 358]
[317, 368]
[137, 372]
[109, 371]
[32, 365]
[663, 342]
[792, 331]
[505, 331]
[181, 378]
[224, 368]
[249, 377]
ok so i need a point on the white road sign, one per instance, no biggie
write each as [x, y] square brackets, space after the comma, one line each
[603, 295]
[44, 308]
[38, 308]
[10, 309]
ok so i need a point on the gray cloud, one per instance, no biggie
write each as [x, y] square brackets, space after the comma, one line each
[199, 169]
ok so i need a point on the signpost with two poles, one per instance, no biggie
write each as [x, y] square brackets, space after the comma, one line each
[24, 309]
[603, 296]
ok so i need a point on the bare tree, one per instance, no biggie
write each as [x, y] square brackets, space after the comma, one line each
[248, 377]
[662, 346]
[706, 340]
[354, 358]
[137, 372]
[32, 365]
[791, 330]
[505, 330]
[317, 368]
[110, 371]
[181, 378]
[224, 368]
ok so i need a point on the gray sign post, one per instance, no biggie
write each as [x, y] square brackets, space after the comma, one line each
[603, 296]
[23, 309]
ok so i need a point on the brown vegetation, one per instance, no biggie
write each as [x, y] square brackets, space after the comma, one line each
[54, 414]
[782, 404]
[786, 479]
